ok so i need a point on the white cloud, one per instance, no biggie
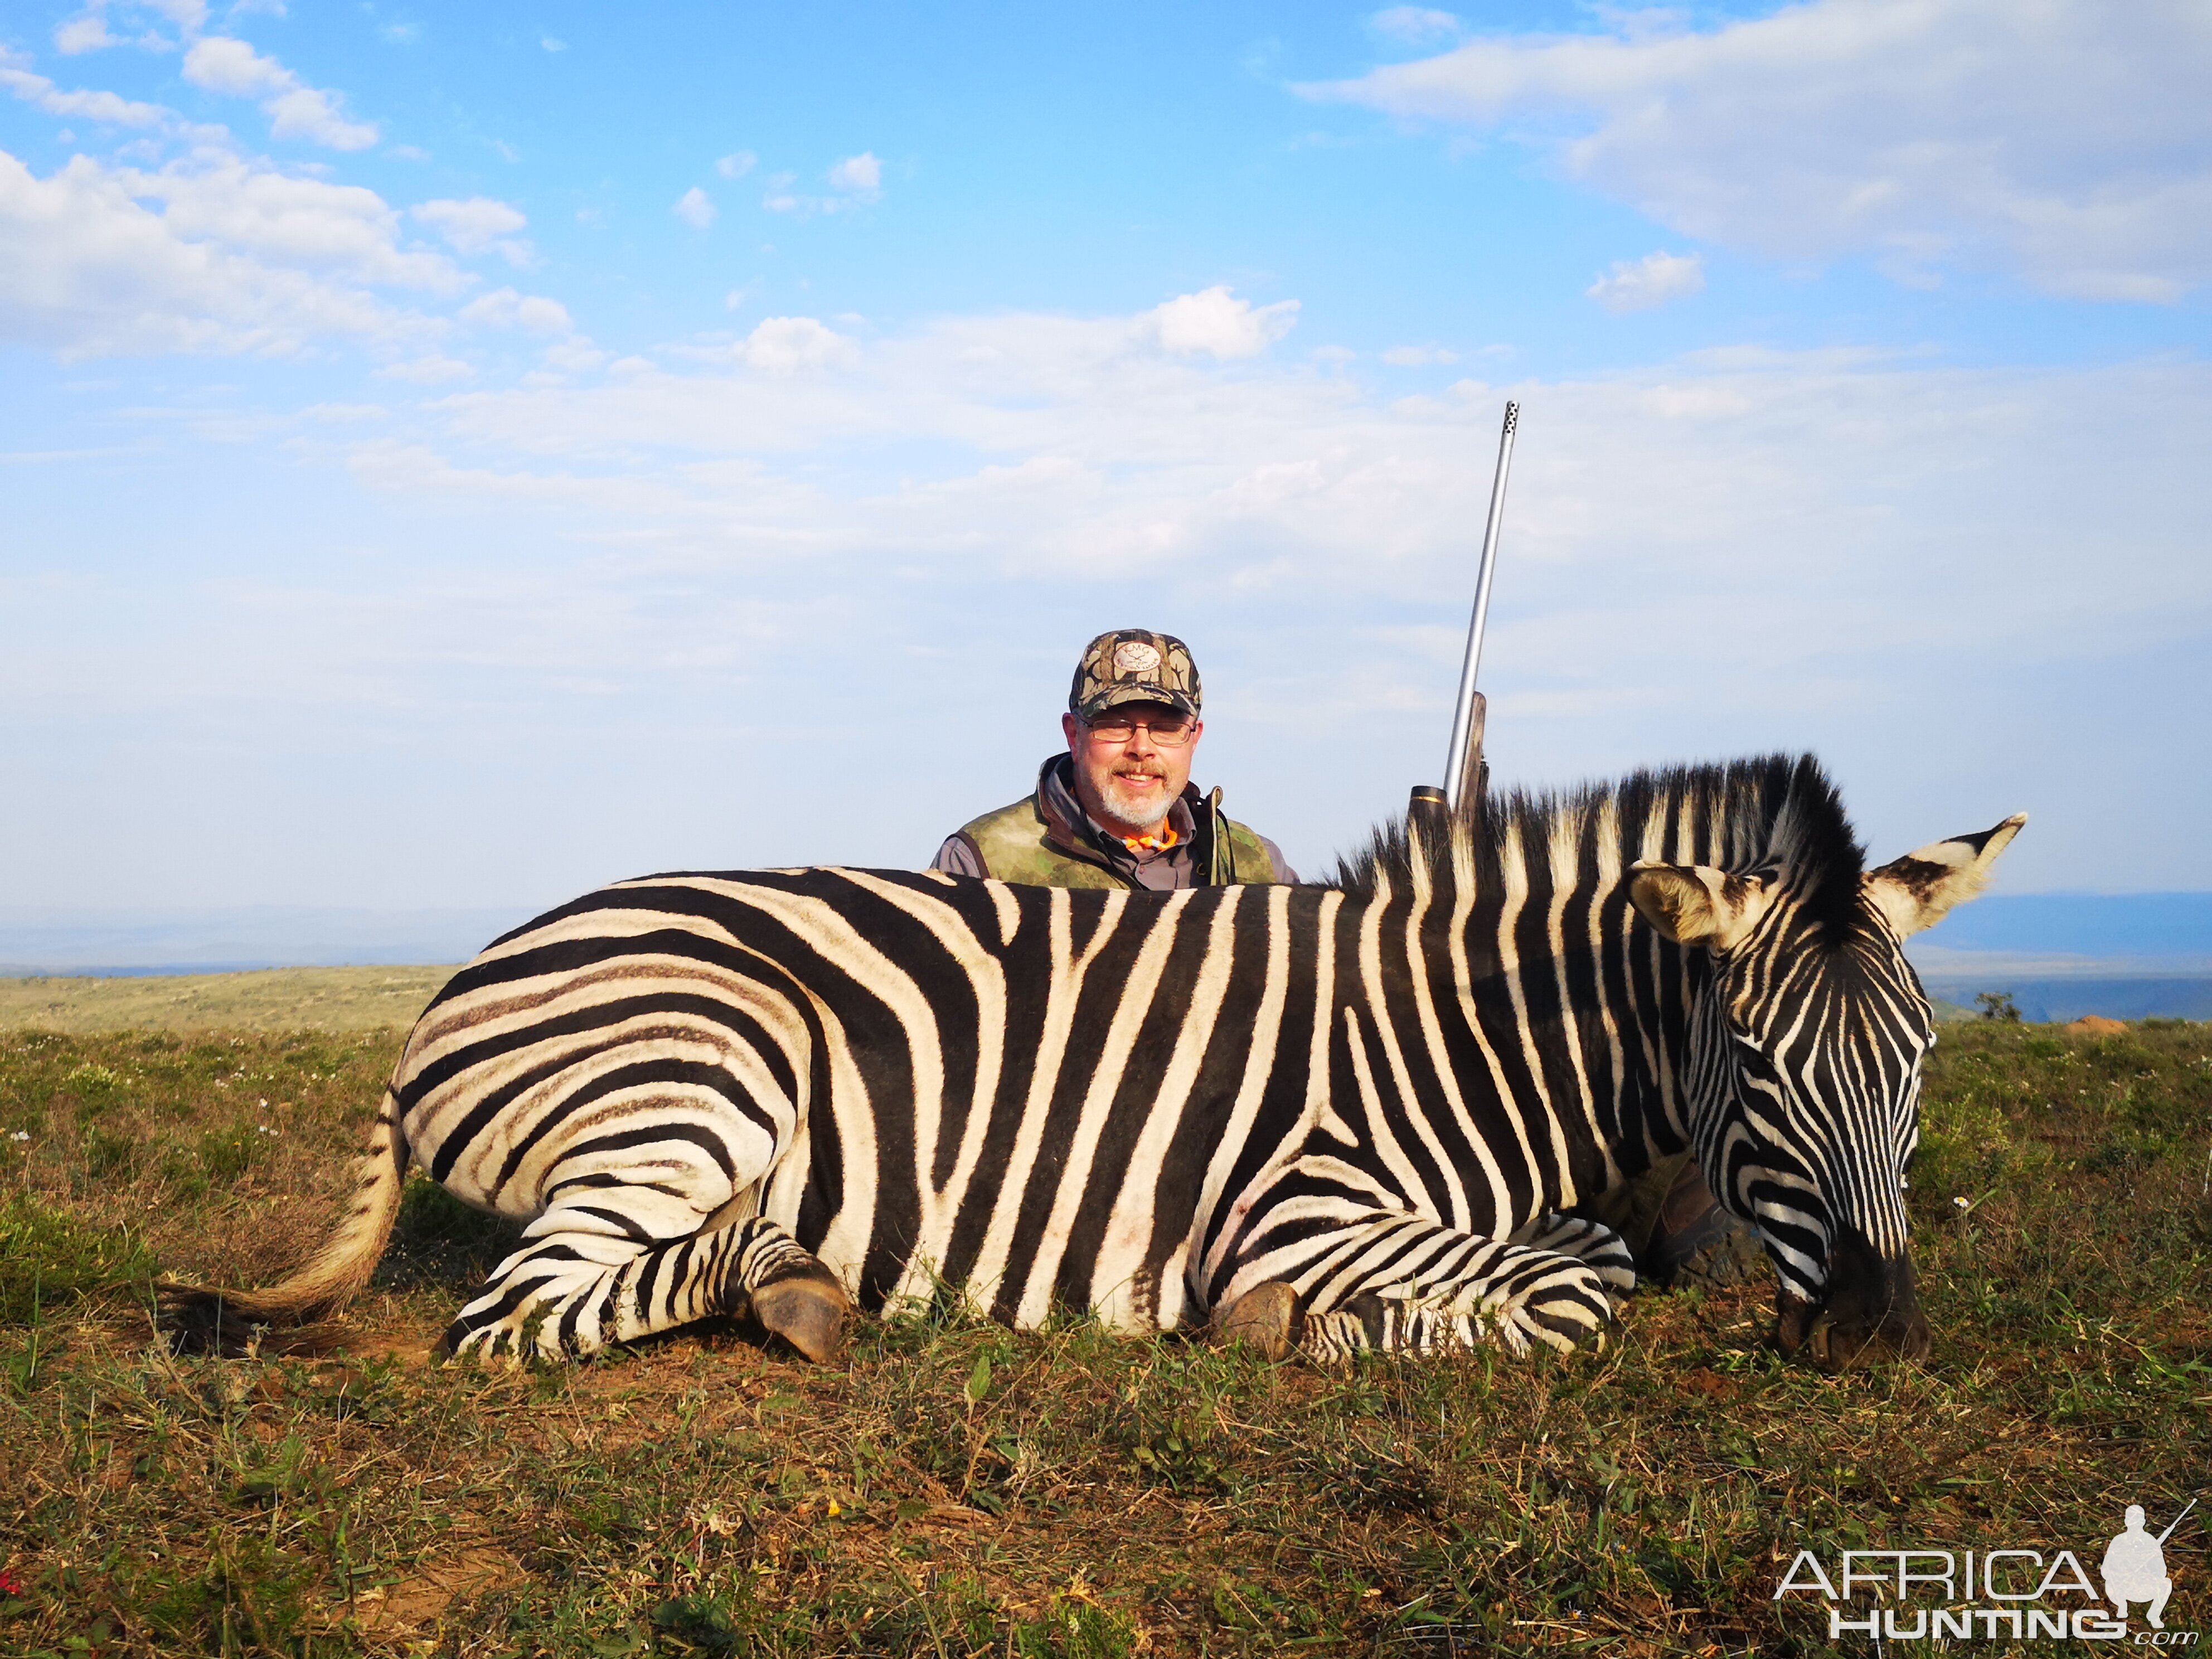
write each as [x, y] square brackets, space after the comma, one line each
[506, 308]
[223, 64]
[478, 224]
[693, 208]
[232, 66]
[857, 181]
[575, 355]
[2045, 140]
[551, 44]
[862, 174]
[85, 34]
[434, 369]
[80, 106]
[88, 31]
[1217, 324]
[313, 114]
[341, 229]
[737, 164]
[1744, 550]
[1876, 549]
[210, 254]
[1647, 283]
[1418, 26]
[784, 345]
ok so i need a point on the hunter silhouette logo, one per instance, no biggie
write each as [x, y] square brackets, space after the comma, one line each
[1998, 1595]
[2135, 1566]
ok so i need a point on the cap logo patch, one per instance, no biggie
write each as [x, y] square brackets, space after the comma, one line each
[1134, 657]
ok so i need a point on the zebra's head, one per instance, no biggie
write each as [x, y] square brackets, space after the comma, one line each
[1806, 1033]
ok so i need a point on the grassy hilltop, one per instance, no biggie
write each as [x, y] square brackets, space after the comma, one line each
[960, 1490]
[270, 1000]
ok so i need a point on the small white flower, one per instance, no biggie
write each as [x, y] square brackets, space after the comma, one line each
[263, 1129]
[21, 1134]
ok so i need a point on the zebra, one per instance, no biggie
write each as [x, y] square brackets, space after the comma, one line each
[1356, 1115]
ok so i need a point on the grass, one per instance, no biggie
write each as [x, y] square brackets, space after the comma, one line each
[273, 1000]
[957, 1489]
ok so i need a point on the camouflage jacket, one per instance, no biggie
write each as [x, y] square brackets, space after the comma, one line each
[1047, 840]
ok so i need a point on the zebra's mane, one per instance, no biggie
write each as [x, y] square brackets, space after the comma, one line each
[1768, 812]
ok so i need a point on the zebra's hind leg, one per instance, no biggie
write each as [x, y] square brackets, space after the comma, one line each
[578, 1287]
[1398, 1282]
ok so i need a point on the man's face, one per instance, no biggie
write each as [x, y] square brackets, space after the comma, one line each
[1128, 786]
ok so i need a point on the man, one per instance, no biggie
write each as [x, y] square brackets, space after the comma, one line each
[1118, 809]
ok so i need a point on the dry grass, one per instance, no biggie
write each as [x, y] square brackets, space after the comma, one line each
[275, 999]
[957, 1489]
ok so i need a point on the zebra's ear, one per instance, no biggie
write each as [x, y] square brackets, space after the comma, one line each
[1693, 904]
[1915, 890]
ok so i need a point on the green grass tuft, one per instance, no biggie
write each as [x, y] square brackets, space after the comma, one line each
[49, 1259]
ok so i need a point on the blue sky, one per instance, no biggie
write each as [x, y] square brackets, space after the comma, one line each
[454, 458]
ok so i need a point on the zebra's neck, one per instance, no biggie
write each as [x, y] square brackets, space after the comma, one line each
[1582, 1014]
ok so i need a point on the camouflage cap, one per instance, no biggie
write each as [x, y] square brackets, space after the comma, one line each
[1133, 665]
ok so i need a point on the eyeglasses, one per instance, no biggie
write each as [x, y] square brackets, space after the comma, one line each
[1169, 735]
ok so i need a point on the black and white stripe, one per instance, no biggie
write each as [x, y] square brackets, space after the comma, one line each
[1385, 1093]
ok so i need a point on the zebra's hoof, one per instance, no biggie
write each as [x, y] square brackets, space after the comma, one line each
[813, 1314]
[1271, 1317]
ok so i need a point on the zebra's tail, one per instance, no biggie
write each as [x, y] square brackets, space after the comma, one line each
[198, 1320]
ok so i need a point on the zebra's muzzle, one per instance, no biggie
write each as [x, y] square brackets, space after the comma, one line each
[1872, 1312]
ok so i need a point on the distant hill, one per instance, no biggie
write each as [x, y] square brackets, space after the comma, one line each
[2126, 924]
[274, 999]
[2116, 996]
[2060, 956]
[55, 939]
[2129, 955]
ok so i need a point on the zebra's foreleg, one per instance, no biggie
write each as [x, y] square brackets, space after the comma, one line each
[573, 1291]
[1398, 1282]
[1587, 1240]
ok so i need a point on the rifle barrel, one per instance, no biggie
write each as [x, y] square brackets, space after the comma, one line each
[2177, 1520]
[1463, 711]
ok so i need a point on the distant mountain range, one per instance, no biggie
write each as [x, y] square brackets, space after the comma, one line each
[2058, 955]
[2140, 926]
[52, 940]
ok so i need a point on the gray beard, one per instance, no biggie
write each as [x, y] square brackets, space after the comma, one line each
[1119, 801]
